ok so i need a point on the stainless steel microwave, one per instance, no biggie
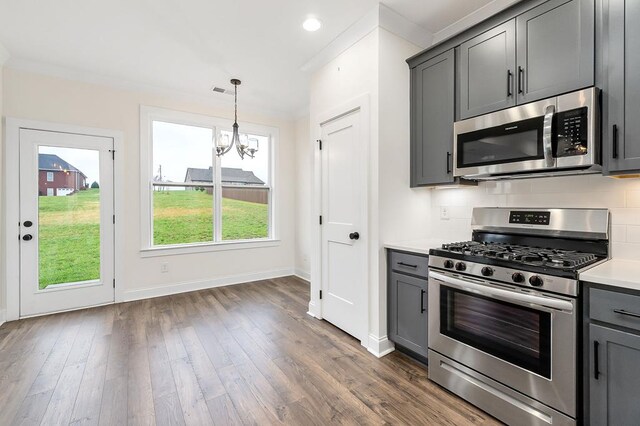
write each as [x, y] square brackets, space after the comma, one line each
[559, 135]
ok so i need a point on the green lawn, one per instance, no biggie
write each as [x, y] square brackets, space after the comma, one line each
[69, 233]
[69, 238]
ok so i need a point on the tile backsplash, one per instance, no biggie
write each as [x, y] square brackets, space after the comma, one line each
[620, 196]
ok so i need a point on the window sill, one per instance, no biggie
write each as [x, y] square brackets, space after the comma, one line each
[207, 247]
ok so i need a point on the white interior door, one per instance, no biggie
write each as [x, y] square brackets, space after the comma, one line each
[66, 221]
[344, 291]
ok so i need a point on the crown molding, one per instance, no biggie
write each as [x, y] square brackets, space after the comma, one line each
[380, 16]
[472, 19]
[397, 24]
[212, 100]
[4, 55]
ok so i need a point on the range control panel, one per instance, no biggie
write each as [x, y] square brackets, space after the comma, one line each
[530, 217]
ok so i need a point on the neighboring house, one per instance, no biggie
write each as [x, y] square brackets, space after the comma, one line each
[56, 177]
[233, 181]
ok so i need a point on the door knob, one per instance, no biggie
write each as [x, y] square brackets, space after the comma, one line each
[27, 237]
[354, 236]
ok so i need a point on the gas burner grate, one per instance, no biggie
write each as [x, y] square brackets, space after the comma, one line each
[527, 255]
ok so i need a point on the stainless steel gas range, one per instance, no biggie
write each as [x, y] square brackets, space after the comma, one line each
[503, 311]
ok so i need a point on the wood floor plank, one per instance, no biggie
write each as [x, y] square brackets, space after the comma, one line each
[113, 409]
[223, 412]
[87, 407]
[168, 410]
[244, 354]
[194, 406]
[62, 400]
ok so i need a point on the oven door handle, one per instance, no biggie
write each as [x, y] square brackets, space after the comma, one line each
[547, 136]
[506, 295]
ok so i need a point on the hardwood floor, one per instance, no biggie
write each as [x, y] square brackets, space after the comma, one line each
[244, 354]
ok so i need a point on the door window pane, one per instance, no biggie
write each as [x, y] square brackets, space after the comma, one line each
[68, 215]
[246, 193]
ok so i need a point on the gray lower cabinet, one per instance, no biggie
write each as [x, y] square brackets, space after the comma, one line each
[407, 313]
[555, 49]
[615, 377]
[620, 62]
[432, 116]
[487, 71]
[611, 356]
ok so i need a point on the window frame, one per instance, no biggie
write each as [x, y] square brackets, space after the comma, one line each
[150, 114]
[52, 177]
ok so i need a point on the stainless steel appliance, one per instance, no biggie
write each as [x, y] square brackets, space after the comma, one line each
[559, 135]
[503, 310]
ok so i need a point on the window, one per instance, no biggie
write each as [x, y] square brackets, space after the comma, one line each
[193, 197]
[49, 176]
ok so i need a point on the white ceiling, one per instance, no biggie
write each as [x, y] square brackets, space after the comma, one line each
[192, 45]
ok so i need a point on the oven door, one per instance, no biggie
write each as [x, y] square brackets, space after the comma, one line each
[521, 338]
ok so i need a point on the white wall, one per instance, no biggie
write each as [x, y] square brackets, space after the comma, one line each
[621, 196]
[304, 216]
[402, 210]
[4, 55]
[39, 97]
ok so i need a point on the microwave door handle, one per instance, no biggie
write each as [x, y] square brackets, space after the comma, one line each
[506, 295]
[547, 136]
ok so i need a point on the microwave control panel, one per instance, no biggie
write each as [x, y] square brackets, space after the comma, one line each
[571, 130]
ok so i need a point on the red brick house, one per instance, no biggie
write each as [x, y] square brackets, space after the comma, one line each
[56, 177]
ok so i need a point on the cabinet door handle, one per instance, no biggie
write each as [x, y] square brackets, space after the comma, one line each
[614, 141]
[408, 265]
[422, 308]
[520, 80]
[596, 361]
[627, 313]
[509, 83]
[448, 159]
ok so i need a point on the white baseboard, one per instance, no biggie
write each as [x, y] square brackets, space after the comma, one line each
[184, 287]
[303, 274]
[380, 346]
[312, 310]
[3, 316]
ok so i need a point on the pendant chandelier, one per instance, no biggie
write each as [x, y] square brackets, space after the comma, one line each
[243, 143]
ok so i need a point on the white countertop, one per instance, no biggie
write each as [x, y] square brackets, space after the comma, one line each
[616, 273]
[416, 246]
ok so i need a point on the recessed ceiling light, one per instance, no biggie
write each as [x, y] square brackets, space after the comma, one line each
[312, 24]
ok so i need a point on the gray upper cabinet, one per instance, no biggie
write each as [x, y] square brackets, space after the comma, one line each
[555, 49]
[615, 376]
[408, 312]
[619, 65]
[432, 116]
[487, 71]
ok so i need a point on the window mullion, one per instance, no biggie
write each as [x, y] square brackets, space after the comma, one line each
[217, 199]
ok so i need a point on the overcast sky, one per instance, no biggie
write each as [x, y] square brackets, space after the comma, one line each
[177, 147]
[85, 160]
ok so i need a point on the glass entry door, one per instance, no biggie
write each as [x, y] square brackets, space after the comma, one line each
[66, 221]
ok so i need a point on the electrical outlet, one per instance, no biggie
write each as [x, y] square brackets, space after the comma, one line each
[164, 267]
[444, 213]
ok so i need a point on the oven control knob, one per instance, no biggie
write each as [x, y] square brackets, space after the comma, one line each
[486, 271]
[517, 277]
[460, 266]
[448, 264]
[536, 281]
